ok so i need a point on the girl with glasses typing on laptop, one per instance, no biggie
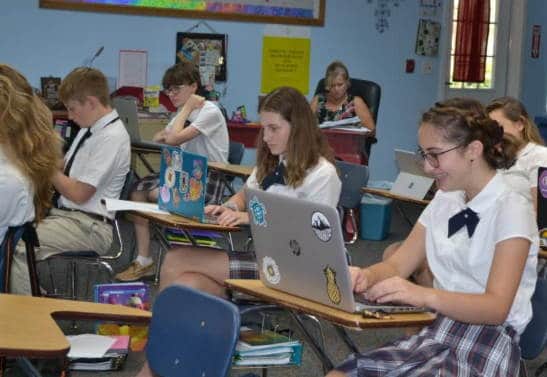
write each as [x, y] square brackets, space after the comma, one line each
[481, 245]
[294, 159]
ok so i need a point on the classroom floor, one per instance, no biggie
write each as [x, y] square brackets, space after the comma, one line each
[363, 253]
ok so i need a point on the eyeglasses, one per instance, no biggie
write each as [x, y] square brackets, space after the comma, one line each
[433, 157]
[174, 90]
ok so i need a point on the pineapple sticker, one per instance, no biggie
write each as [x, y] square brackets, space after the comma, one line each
[332, 287]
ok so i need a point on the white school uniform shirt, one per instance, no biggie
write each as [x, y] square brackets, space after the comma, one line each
[16, 196]
[102, 161]
[213, 141]
[462, 264]
[529, 159]
[321, 184]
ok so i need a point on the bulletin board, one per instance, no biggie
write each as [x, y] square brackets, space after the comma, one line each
[296, 12]
[207, 51]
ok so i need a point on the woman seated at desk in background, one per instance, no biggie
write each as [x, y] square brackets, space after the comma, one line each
[30, 151]
[513, 117]
[481, 245]
[337, 102]
[294, 159]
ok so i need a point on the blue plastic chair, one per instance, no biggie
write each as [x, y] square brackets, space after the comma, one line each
[192, 333]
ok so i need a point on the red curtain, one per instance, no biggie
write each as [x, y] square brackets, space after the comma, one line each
[471, 40]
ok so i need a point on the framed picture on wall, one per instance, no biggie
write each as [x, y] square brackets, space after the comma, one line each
[207, 51]
[427, 40]
[50, 91]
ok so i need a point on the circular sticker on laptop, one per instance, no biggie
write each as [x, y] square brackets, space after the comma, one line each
[169, 177]
[321, 226]
[271, 270]
[543, 184]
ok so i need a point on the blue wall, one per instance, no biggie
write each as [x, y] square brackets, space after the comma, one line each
[534, 94]
[41, 42]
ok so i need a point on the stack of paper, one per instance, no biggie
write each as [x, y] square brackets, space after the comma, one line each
[266, 348]
[340, 123]
[97, 352]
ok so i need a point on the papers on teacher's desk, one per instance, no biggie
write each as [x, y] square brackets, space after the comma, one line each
[346, 124]
[113, 205]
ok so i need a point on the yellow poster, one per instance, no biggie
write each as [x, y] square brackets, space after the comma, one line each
[285, 62]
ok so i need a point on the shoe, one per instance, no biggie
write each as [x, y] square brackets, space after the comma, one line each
[136, 271]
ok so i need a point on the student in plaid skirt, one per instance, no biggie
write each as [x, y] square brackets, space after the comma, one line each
[480, 240]
[198, 127]
[293, 159]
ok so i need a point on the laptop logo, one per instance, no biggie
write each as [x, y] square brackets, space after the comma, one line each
[294, 247]
[321, 226]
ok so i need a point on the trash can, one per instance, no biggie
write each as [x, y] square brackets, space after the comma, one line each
[375, 216]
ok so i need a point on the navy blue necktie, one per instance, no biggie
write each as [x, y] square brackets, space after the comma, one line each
[466, 217]
[275, 177]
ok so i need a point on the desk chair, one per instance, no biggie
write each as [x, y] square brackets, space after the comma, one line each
[192, 333]
[370, 92]
[89, 257]
[354, 177]
[27, 233]
[235, 155]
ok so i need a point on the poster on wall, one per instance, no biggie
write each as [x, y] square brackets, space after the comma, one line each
[427, 40]
[285, 61]
[207, 51]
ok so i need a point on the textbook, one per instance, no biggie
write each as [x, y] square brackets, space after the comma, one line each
[266, 348]
[136, 295]
[112, 359]
[342, 122]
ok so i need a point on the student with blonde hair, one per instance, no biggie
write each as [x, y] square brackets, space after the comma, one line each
[29, 152]
[513, 117]
[95, 167]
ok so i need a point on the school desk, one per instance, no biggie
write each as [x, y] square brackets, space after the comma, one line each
[347, 145]
[186, 225]
[398, 199]
[28, 329]
[242, 171]
[297, 305]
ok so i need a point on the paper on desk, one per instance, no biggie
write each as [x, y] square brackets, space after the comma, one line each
[341, 122]
[89, 345]
[128, 205]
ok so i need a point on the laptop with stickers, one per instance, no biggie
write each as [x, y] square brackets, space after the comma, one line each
[182, 186]
[412, 181]
[300, 250]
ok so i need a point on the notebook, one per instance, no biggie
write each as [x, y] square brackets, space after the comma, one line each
[412, 181]
[300, 250]
[542, 206]
[183, 177]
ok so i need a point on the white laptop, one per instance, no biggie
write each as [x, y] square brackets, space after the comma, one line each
[300, 250]
[412, 181]
[127, 110]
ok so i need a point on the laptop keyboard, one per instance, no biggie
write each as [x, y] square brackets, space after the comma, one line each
[386, 306]
[210, 219]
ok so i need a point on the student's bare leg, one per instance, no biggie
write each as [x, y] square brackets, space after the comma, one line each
[201, 268]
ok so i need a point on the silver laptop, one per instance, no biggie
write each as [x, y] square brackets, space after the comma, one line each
[412, 181]
[127, 110]
[300, 250]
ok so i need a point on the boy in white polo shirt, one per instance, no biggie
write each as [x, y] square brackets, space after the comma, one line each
[94, 167]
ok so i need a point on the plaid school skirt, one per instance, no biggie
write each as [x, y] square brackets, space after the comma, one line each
[444, 348]
[213, 193]
[243, 265]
